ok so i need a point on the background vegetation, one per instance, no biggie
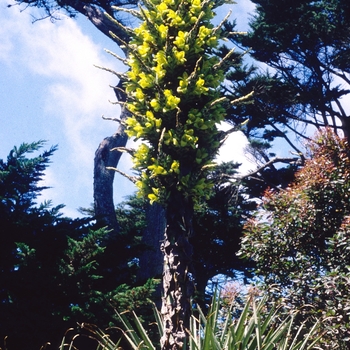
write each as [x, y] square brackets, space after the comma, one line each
[298, 240]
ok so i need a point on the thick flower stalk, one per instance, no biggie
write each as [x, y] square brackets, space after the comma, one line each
[175, 106]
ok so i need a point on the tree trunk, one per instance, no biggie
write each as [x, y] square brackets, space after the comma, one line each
[103, 178]
[178, 284]
[151, 260]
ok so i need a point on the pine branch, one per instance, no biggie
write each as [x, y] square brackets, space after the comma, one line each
[223, 60]
[222, 22]
[129, 11]
[125, 29]
[121, 76]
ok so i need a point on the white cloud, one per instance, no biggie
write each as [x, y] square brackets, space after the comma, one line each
[57, 61]
[241, 13]
[234, 149]
[77, 92]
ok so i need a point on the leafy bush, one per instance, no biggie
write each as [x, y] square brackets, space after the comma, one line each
[299, 239]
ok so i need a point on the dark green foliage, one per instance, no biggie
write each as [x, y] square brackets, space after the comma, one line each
[301, 85]
[267, 117]
[32, 238]
[127, 299]
[218, 227]
[307, 45]
[131, 216]
[55, 271]
[52, 8]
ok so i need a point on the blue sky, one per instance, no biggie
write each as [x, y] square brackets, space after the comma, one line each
[51, 90]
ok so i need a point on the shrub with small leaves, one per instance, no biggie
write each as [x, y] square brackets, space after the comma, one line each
[300, 239]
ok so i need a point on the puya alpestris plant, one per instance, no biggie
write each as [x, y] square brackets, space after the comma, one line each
[258, 327]
[175, 104]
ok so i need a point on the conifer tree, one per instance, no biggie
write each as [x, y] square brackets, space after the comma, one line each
[56, 272]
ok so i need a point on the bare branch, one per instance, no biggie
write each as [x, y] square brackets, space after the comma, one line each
[123, 60]
[121, 76]
[226, 134]
[124, 150]
[288, 160]
[222, 22]
[243, 98]
[132, 12]
[128, 31]
[133, 179]
[113, 119]
[219, 64]
[98, 18]
[117, 103]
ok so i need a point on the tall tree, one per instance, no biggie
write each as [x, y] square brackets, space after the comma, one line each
[306, 43]
[217, 223]
[300, 238]
[51, 267]
[305, 83]
[29, 284]
[106, 155]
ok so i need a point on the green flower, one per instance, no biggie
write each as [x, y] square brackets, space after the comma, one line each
[179, 56]
[154, 122]
[170, 138]
[163, 31]
[155, 104]
[141, 156]
[200, 88]
[175, 19]
[139, 95]
[171, 60]
[171, 100]
[188, 139]
[162, 8]
[181, 41]
[196, 7]
[144, 50]
[143, 33]
[154, 196]
[183, 83]
[157, 170]
[175, 167]
[146, 80]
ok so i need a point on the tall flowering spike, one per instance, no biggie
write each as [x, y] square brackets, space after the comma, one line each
[174, 102]
[171, 87]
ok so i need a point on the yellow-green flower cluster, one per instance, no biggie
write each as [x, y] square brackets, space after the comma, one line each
[172, 89]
